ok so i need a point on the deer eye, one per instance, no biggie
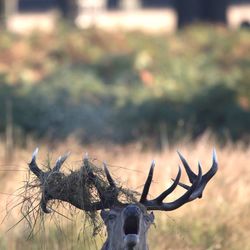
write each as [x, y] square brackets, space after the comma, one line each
[112, 217]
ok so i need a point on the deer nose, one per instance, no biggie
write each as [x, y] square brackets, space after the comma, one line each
[132, 210]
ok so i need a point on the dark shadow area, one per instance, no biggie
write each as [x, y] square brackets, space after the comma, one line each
[201, 11]
[113, 4]
[37, 5]
[67, 8]
[156, 3]
[245, 25]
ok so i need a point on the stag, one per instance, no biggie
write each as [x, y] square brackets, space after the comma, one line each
[126, 223]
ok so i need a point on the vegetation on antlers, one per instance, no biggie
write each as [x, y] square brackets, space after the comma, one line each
[89, 188]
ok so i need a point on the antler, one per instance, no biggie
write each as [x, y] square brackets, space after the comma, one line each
[55, 185]
[194, 191]
[192, 176]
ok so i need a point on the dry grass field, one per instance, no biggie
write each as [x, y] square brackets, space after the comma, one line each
[218, 221]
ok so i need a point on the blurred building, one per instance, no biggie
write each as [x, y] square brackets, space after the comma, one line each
[213, 11]
[238, 14]
[127, 14]
[148, 15]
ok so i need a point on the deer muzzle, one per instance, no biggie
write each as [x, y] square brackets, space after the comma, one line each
[131, 225]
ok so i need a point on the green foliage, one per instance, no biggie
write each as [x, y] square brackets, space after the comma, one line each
[120, 87]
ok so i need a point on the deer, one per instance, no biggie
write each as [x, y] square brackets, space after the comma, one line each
[127, 224]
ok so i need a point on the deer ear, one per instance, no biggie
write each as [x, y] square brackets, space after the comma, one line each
[104, 215]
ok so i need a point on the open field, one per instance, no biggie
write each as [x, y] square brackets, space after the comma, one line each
[218, 221]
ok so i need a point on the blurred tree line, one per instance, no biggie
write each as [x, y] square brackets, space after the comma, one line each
[117, 87]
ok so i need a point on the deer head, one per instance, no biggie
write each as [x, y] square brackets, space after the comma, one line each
[127, 223]
[127, 227]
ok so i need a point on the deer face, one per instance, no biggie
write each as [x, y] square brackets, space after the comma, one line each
[127, 226]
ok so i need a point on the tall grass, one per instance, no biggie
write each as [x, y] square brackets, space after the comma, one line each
[220, 220]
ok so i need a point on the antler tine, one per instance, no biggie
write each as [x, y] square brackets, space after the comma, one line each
[41, 175]
[162, 196]
[107, 197]
[156, 204]
[108, 175]
[60, 161]
[191, 175]
[205, 178]
[212, 171]
[182, 185]
[86, 156]
[33, 166]
[147, 183]
[43, 205]
[185, 197]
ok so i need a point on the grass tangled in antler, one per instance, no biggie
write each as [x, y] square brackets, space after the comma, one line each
[78, 186]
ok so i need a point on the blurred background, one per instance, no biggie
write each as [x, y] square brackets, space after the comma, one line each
[128, 81]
